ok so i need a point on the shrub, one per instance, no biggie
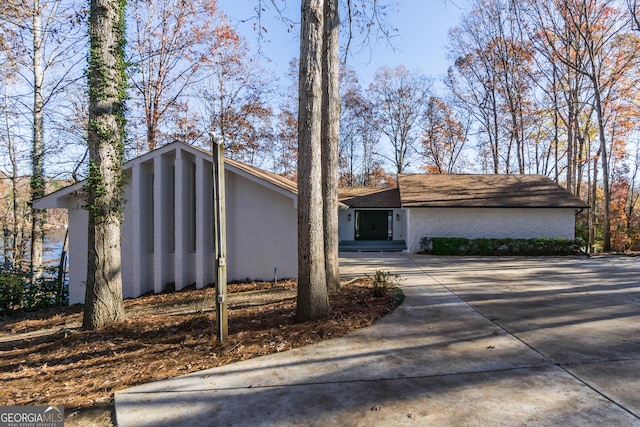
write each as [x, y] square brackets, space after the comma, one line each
[499, 247]
[11, 285]
[385, 284]
[17, 292]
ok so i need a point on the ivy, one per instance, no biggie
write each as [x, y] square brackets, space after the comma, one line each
[107, 123]
[37, 185]
[95, 184]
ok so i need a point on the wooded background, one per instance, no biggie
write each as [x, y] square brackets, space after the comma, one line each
[546, 87]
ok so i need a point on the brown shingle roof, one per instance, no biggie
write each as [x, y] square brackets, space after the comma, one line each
[493, 191]
[367, 197]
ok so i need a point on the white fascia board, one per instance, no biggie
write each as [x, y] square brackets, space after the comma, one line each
[58, 198]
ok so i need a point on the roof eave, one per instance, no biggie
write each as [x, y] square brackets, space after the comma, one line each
[421, 205]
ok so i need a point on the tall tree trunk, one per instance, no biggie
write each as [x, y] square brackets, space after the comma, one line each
[313, 301]
[521, 137]
[606, 234]
[107, 83]
[151, 136]
[37, 153]
[579, 163]
[10, 233]
[570, 140]
[330, 137]
[495, 151]
[556, 121]
[593, 203]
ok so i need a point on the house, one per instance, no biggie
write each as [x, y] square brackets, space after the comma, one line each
[471, 206]
[167, 236]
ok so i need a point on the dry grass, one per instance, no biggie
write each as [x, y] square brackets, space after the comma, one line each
[46, 359]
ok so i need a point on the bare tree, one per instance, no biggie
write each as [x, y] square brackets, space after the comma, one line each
[443, 138]
[285, 147]
[596, 27]
[12, 12]
[631, 203]
[472, 82]
[565, 98]
[14, 215]
[492, 78]
[172, 41]
[237, 98]
[358, 137]
[399, 98]
[11, 218]
[37, 153]
[351, 94]
[45, 38]
[36, 40]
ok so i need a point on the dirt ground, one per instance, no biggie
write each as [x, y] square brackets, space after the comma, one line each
[47, 359]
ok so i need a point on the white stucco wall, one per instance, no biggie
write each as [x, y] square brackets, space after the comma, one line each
[261, 231]
[128, 238]
[138, 232]
[167, 234]
[399, 224]
[472, 223]
[346, 227]
[78, 218]
[78, 248]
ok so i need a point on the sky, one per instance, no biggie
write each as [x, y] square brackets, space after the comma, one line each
[419, 44]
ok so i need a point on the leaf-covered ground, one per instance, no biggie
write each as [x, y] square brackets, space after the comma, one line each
[46, 359]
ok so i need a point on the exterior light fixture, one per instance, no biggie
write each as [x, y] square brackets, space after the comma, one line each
[349, 217]
[397, 217]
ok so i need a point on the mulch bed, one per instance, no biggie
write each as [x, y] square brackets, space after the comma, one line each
[46, 359]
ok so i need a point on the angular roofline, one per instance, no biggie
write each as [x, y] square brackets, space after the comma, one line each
[253, 172]
[268, 179]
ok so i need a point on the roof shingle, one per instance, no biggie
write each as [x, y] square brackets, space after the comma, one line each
[368, 197]
[492, 191]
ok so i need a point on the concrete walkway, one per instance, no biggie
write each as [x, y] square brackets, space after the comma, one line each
[478, 341]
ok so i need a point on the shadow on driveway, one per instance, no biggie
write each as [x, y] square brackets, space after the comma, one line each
[478, 341]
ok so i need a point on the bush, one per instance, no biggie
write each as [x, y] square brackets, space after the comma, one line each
[385, 284]
[499, 247]
[17, 292]
[11, 286]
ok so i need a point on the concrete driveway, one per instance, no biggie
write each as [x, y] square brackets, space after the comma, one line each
[478, 341]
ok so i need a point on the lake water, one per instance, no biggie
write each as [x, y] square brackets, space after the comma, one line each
[52, 247]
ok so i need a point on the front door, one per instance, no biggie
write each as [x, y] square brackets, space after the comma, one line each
[373, 225]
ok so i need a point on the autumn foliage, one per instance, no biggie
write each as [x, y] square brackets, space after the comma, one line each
[534, 86]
